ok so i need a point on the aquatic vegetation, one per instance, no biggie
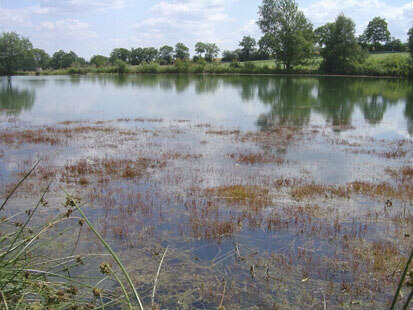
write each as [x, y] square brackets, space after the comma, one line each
[256, 158]
[110, 167]
[238, 235]
[223, 132]
[252, 196]
[312, 190]
[378, 191]
[29, 136]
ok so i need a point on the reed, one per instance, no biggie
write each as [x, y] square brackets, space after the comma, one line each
[24, 284]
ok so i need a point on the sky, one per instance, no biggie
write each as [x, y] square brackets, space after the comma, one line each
[91, 27]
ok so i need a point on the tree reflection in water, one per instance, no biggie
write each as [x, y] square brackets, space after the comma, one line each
[13, 100]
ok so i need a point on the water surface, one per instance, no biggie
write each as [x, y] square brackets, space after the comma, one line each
[376, 107]
[167, 160]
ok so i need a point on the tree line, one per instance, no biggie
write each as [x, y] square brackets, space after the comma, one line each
[288, 37]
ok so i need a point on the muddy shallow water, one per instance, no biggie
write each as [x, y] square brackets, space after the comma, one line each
[271, 192]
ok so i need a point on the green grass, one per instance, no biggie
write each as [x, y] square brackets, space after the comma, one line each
[383, 55]
[314, 64]
[259, 63]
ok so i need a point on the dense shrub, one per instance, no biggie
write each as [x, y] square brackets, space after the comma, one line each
[391, 65]
[152, 67]
[121, 66]
[182, 66]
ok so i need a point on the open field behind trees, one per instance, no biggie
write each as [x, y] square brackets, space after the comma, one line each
[385, 54]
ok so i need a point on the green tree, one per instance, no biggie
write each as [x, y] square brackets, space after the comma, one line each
[376, 32]
[290, 27]
[68, 59]
[80, 61]
[200, 48]
[267, 45]
[139, 55]
[211, 51]
[149, 54]
[56, 60]
[119, 53]
[99, 60]
[14, 49]
[229, 56]
[181, 51]
[410, 42]
[166, 54]
[62, 60]
[40, 58]
[33, 59]
[394, 45]
[322, 34]
[136, 56]
[341, 52]
[247, 45]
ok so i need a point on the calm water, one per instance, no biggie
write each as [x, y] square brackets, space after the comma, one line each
[375, 107]
[331, 121]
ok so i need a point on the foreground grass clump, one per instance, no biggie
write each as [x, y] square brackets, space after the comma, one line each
[29, 278]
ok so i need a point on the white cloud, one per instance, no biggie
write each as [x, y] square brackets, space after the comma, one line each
[17, 18]
[65, 28]
[82, 5]
[251, 28]
[399, 18]
[185, 21]
[10, 18]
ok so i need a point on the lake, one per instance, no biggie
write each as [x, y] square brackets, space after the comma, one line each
[270, 192]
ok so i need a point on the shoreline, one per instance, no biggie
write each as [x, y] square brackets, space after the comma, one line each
[217, 74]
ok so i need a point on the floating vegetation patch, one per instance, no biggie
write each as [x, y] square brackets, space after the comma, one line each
[112, 168]
[256, 158]
[379, 191]
[222, 132]
[241, 195]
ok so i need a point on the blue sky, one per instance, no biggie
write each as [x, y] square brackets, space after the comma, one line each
[90, 27]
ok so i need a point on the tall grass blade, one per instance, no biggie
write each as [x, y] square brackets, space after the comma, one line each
[28, 219]
[125, 293]
[115, 257]
[156, 278]
[393, 304]
[409, 299]
[18, 184]
[4, 301]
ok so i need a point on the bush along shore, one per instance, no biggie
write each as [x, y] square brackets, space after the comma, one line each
[395, 65]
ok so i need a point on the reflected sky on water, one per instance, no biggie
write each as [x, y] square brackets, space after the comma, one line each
[377, 107]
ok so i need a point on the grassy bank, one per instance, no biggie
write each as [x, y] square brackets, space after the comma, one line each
[384, 64]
